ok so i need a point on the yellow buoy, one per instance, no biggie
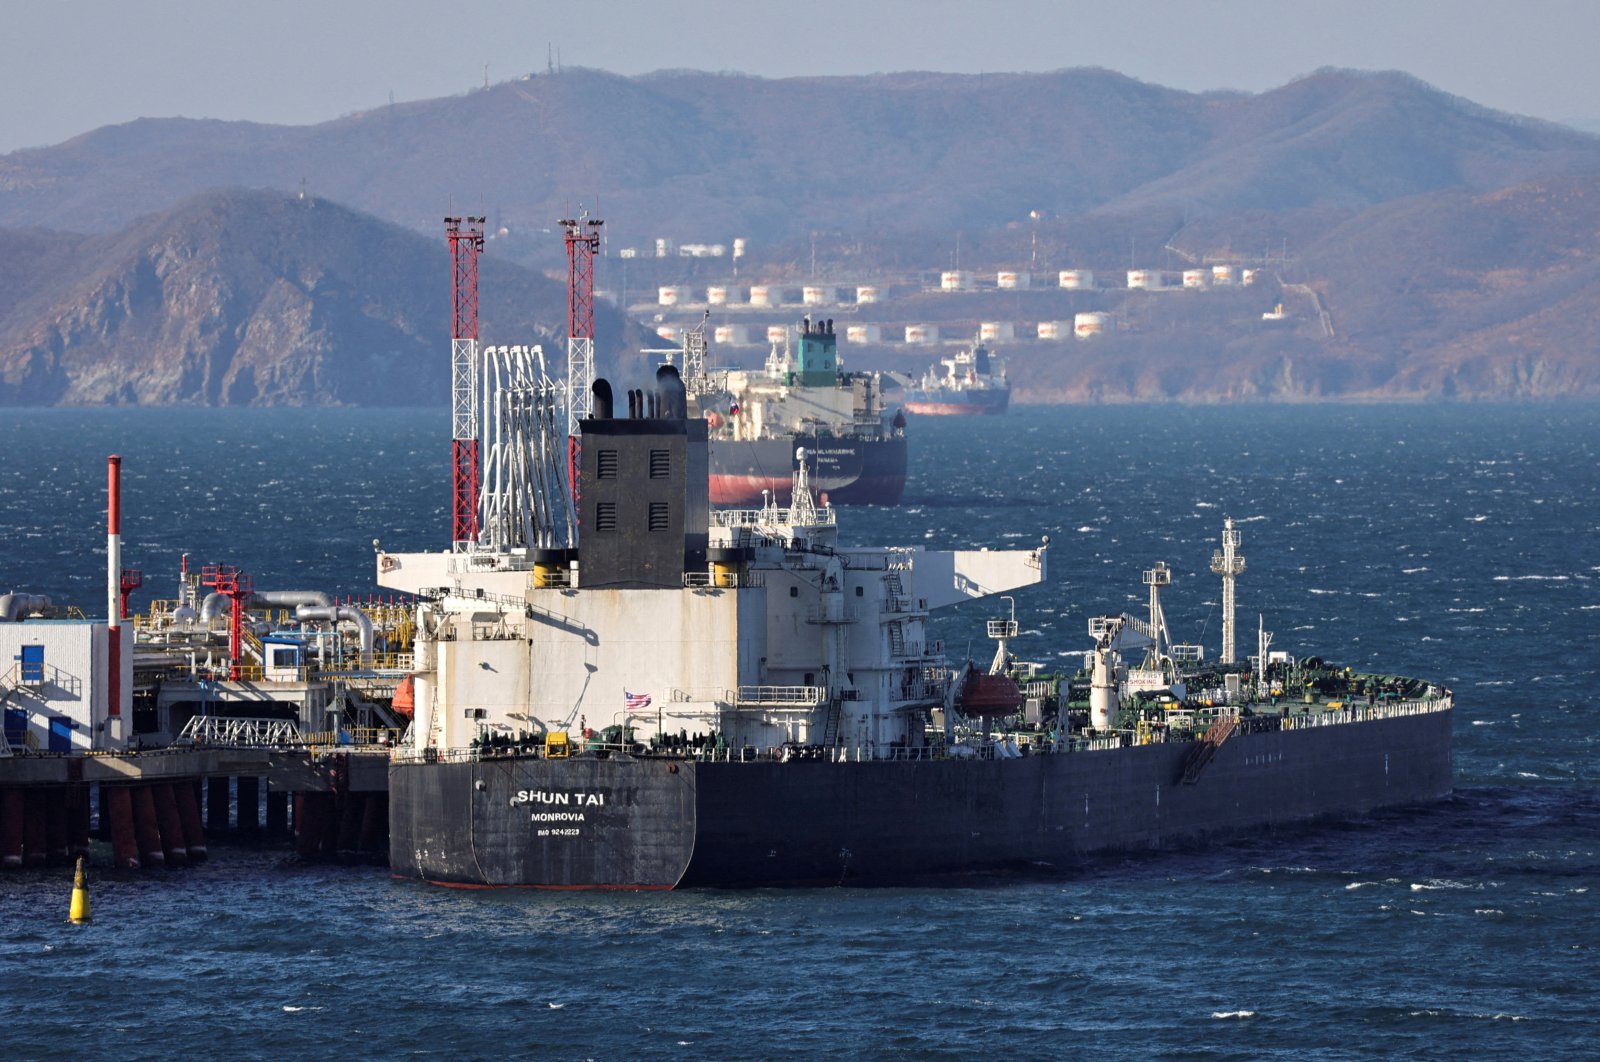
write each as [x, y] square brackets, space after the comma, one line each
[79, 914]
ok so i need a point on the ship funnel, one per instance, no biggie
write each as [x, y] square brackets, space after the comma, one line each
[602, 400]
[674, 400]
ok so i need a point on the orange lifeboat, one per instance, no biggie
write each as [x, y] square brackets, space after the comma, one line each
[988, 695]
[405, 698]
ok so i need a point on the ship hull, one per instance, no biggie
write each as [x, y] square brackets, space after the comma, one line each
[673, 823]
[849, 471]
[957, 404]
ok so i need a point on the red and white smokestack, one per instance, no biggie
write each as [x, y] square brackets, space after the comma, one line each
[114, 585]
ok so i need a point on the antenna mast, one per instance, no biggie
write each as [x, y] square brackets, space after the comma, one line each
[583, 243]
[1228, 562]
[465, 236]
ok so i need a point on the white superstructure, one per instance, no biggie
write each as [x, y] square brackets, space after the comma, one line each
[783, 634]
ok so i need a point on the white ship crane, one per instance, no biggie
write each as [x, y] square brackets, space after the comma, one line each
[1103, 683]
[1155, 578]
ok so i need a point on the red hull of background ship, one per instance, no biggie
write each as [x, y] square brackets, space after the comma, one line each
[848, 471]
[973, 381]
[955, 404]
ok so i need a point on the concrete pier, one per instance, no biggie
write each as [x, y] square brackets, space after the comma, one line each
[149, 804]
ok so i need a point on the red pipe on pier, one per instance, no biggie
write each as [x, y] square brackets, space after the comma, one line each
[124, 836]
[172, 844]
[114, 588]
[146, 829]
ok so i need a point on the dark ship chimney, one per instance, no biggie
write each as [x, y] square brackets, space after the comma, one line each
[643, 488]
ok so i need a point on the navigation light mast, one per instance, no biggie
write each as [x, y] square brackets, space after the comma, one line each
[1228, 562]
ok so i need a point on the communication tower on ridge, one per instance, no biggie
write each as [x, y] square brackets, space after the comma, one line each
[465, 235]
[1228, 562]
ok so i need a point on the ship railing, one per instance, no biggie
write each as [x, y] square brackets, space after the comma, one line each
[764, 696]
[1360, 713]
[924, 690]
[901, 606]
[1102, 742]
[476, 594]
[379, 665]
[353, 738]
[819, 614]
[436, 755]
[724, 580]
[770, 517]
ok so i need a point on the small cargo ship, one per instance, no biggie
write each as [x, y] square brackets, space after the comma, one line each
[972, 382]
[733, 697]
[800, 400]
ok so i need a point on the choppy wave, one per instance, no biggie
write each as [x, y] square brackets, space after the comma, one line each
[256, 949]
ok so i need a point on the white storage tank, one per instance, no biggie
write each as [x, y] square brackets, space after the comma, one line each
[1247, 277]
[957, 280]
[922, 334]
[1222, 275]
[1085, 325]
[863, 333]
[818, 295]
[868, 294]
[672, 295]
[766, 295]
[1077, 279]
[720, 296]
[671, 333]
[990, 331]
[1051, 329]
[1013, 280]
[777, 333]
[734, 335]
[1194, 278]
[1145, 279]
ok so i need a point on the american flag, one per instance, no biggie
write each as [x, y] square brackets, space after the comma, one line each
[633, 701]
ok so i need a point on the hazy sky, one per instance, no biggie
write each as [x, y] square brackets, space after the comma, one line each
[73, 65]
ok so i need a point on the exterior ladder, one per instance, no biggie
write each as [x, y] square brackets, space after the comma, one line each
[897, 633]
[830, 729]
[1206, 748]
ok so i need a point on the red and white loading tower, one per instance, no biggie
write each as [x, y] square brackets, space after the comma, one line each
[583, 243]
[465, 235]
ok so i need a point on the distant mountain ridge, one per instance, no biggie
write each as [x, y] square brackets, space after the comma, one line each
[249, 298]
[1423, 246]
[686, 155]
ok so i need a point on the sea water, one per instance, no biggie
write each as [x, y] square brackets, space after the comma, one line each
[1457, 543]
